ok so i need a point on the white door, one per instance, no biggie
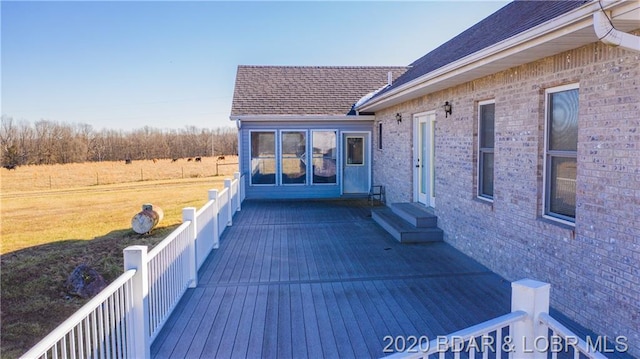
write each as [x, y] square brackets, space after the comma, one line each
[356, 169]
[423, 156]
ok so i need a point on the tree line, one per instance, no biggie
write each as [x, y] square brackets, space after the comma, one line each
[50, 142]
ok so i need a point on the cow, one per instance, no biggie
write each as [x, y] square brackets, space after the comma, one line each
[189, 159]
[220, 158]
[198, 159]
[127, 161]
[174, 160]
[10, 167]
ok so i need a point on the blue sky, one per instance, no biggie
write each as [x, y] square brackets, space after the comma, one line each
[126, 65]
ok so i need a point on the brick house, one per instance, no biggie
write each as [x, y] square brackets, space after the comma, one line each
[523, 136]
[535, 172]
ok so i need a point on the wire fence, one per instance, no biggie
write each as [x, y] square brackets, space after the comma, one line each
[44, 177]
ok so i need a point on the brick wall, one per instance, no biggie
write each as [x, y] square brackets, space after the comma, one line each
[594, 268]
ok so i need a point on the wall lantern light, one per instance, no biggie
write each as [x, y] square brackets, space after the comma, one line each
[398, 117]
[447, 109]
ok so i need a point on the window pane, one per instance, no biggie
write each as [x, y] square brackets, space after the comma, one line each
[487, 119]
[324, 157]
[487, 175]
[355, 151]
[294, 161]
[563, 110]
[562, 187]
[263, 158]
[424, 169]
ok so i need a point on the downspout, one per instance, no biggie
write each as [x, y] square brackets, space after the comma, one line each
[609, 35]
[239, 136]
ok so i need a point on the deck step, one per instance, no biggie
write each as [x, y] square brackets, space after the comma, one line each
[402, 230]
[416, 214]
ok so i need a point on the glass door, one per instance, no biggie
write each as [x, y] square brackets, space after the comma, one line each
[424, 150]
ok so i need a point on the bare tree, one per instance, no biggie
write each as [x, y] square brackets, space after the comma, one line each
[47, 142]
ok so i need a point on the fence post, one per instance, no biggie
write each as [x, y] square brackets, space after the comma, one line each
[213, 196]
[135, 257]
[189, 214]
[227, 185]
[236, 175]
[530, 296]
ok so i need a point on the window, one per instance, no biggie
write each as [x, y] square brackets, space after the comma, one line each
[486, 139]
[561, 152]
[324, 156]
[263, 157]
[355, 151]
[294, 157]
[380, 135]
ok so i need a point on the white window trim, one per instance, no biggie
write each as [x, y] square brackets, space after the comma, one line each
[279, 169]
[364, 152]
[432, 155]
[337, 133]
[275, 135]
[478, 160]
[545, 160]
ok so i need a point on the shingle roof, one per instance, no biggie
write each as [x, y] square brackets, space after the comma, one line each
[511, 20]
[305, 90]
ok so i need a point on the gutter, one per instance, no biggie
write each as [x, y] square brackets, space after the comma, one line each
[609, 35]
[300, 118]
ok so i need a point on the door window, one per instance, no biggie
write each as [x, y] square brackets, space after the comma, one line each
[355, 151]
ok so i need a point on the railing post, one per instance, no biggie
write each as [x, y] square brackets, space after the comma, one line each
[529, 336]
[135, 257]
[189, 214]
[213, 196]
[227, 185]
[242, 184]
[238, 190]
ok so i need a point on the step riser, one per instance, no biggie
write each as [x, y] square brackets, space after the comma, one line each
[408, 236]
[386, 226]
[420, 222]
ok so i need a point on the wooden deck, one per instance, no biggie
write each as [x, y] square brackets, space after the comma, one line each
[296, 279]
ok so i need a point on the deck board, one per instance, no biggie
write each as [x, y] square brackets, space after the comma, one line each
[284, 322]
[257, 326]
[327, 337]
[296, 279]
[219, 320]
[203, 329]
[313, 345]
[270, 342]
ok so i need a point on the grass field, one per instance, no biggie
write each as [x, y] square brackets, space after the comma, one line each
[48, 230]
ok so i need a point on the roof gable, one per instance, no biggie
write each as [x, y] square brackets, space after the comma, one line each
[305, 90]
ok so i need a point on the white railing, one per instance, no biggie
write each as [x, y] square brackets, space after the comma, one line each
[224, 209]
[207, 235]
[523, 333]
[171, 271]
[98, 328]
[565, 340]
[484, 338]
[123, 320]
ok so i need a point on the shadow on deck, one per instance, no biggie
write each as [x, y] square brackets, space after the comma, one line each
[295, 279]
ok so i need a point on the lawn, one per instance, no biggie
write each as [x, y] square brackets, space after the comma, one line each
[47, 232]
